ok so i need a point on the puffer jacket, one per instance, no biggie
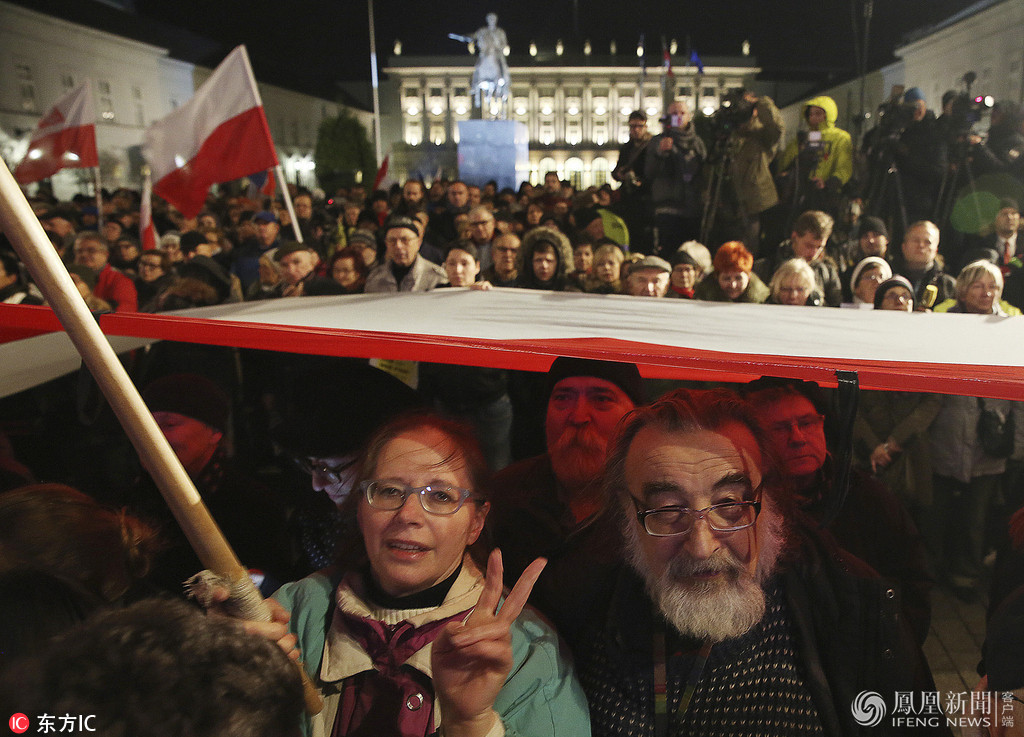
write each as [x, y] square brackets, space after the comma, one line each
[836, 159]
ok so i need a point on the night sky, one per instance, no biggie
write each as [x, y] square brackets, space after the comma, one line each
[311, 45]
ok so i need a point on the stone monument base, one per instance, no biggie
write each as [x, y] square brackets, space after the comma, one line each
[494, 149]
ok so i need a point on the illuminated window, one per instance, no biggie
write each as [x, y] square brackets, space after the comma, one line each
[27, 86]
[600, 171]
[547, 133]
[574, 172]
[573, 133]
[548, 164]
[413, 134]
[437, 134]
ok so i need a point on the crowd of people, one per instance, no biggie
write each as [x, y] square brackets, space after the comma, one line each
[721, 560]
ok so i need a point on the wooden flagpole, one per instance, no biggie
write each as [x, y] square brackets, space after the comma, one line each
[51, 276]
[288, 202]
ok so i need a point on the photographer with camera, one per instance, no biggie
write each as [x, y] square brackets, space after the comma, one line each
[672, 170]
[818, 162]
[921, 158]
[629, 170]
[907, 152]
[1006, 137]
[746, 130]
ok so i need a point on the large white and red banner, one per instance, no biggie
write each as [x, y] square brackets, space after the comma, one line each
[219, 135]
[65, 138]
[973, 355]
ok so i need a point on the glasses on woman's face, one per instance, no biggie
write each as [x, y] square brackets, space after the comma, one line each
[876, 276]
[897, 298]
[390, 495]
[679, 520]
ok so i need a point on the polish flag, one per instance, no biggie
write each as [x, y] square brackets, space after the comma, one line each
[64, 139]
[147, 231]
[219, 135]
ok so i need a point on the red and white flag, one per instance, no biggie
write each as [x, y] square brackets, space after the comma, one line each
[147, 231]
[64, 139]
[219, 135]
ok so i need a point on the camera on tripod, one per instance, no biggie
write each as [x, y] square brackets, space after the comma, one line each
[734, 111]
[894, 117]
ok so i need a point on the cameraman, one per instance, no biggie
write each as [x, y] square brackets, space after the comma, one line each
[920, 154]
[752, 137]
[1006, 137]
[818, 162]
[672, 170]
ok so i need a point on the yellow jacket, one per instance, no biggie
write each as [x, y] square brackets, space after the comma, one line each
[837, 149]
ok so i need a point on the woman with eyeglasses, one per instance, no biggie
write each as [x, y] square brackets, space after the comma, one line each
[405, 635]
[979, 288]
[897, 294]
[864, 280]
[793, 284]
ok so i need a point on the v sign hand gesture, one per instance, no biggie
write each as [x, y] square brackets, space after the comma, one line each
[471, 660]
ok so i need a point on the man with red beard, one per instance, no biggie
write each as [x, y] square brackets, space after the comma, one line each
[725, 615]
[539, 503]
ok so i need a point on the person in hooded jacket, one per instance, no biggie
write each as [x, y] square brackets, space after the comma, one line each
[545, 260]
[822, 155]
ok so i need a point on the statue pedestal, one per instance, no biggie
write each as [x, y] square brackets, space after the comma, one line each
[494, 149]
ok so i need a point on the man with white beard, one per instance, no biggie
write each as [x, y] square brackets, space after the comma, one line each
[539, 503]
[727, 614]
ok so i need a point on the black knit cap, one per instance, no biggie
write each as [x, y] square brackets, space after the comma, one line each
[895, 281]
[626, 376]
[401, 221]
[191, 395]
[872, 224]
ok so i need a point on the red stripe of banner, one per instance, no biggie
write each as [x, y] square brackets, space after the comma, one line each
[236, 148]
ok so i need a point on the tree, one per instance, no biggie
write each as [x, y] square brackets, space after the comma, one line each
[343, 149]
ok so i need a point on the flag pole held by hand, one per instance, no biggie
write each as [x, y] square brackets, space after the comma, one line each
[22, 227]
